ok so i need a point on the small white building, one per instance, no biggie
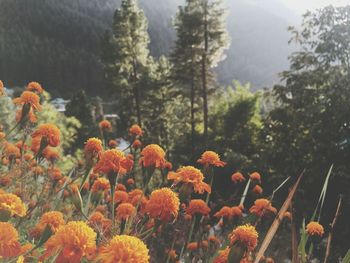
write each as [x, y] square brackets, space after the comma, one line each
[59, 104]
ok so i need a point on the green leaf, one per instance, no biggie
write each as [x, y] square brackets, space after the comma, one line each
[346, 259]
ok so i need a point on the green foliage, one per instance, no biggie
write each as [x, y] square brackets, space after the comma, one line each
[7, 113]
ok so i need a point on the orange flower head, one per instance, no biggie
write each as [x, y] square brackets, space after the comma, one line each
[9, 245]
[287, 215]
[34, 87]
[111, 161]
[93, 148]
[98, 221]
[30, 116]
[100, 184]
[120, 196]
[136, 144]
[112, 143]
[262, 207]
[2, 135]
[314, 229]
[192, 246]
[153, 156]
[214, 239]
[51, 154]
[190, 175]
[72, 241]
[120, 187]
[168, 166]
[105, 126]
[125, 210]
[130, 181]
[124, 248]
[210, 158]
[223, 256]
[29, 98]
[13, 204]
[53, 219]
[11, 151]
[48, 131]
[2, 91]
[135, 130]
[229, 212]
[237, 178]
[197, 206]
[257, 190]
[255, 176]
[163, 205]
[246, 235]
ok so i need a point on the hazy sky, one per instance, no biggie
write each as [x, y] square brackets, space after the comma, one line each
[301, 6]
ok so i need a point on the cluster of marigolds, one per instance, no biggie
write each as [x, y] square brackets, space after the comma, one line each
[115, 206]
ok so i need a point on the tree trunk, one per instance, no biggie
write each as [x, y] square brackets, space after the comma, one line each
[204, 74]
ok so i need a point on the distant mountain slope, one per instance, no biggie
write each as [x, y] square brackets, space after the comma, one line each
[57, 42]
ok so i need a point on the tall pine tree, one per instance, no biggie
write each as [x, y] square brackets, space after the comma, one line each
[126, 57]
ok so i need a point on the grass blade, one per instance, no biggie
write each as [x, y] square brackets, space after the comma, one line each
[245, 193]
[346, 259]
[273, 229]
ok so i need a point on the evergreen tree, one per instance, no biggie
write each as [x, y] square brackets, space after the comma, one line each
[126, 58]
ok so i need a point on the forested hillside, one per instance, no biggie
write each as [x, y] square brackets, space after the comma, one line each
[58, 42]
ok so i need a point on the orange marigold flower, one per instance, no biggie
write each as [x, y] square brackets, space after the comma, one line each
[2, 135]
[128, 164]
[135, 192]
[30, 116]
[214, 239]
[93, 147]
[245, 235]
[51, 154]
[197, 206]
[9, 245]
[130, 181]
[34, 87]
[262, 207]
[120, 196]
[72, 241]
[257, 190]
[190, 175]
[171, 253]
[153, 156]
[255, 176]
[211, 158]
[53, 219]
[314, 229]
[55, 173]
[49, 132]
[237, 178]
[30, 99]
[98, 221]
[229, 212]
[100, 184]
[192, 246]
[2, 92]
[136, 144]
[13, 204]
[168, 166]
[287, 215]
[223, 256]
[125, 210]
[163, 205]
[111, 161]
[112, 143]
[136, 130]
[120, 187]
[124, 248]
[105, 126]
[11, 151]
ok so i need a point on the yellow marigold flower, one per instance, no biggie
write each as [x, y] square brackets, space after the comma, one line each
[111, 161]
[136, 130]
[120, 196]
[30, 99]
[237, 178]
[190, 175]
[197, 206]
[136, 144]
[262, 207]
[257, 190]
[125, 210]
[255, 176]
[314, 229]
[100, 184]
[223, 256]
[9, 245]
[53, 219]
[72, 241]
[124, 248]
[93, 147]
[13, 204]
[105, 125]
[211, 158]
[245, 235]
[163, 205]
[49, 132]
[34, 87]
[153, 156]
